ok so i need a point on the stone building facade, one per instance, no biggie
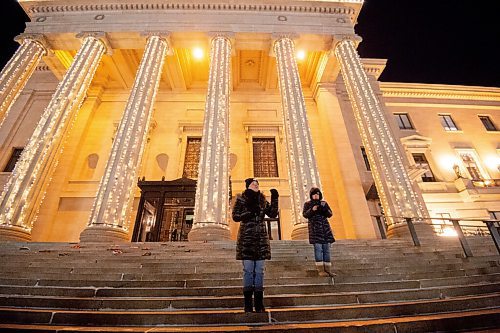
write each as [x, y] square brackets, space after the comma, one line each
[203, 94]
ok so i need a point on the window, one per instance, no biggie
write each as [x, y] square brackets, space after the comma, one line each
[494, 215]
[16, 154]
[448, 123]
[403, 121]
[265, 163]
[365, 158]
[488, 124]
[192, 158]
[421, 162]
[472, 165]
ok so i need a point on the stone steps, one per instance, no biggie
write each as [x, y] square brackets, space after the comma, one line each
[231, 302]
[381, 286]
[235, 317]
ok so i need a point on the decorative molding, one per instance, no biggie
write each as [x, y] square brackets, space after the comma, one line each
[416, 90]
[316, 8]
[188, 127]
[373, 67]
[268, 128]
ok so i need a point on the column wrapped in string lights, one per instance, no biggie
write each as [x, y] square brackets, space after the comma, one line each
[212, 190]
[302, 167]
[397, 195]
[19, 69]
[113, 203]
[17, 195]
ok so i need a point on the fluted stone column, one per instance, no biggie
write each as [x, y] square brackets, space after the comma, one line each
[19, 69]
[16, 198]
[397, 195]
[212, 190]
[109, 217]
[302, 167]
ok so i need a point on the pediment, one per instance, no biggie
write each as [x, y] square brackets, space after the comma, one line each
[416, 141]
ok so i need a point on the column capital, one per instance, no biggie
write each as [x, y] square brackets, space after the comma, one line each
[37, 38]
[338, 38]
[100, 35]
[163, 35]
[277, 36]
[229, 35]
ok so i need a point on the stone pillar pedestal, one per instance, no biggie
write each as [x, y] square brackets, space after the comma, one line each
[398, 195]
[104, 234]
[210, 232]
[113, 203]
[212, 189]
[13, 234]
[40, 154]
[302, 167]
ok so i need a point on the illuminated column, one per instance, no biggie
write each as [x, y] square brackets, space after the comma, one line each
[302, 167]
[19, 69]
[212, 190]
[109, 217]
[397, 195]
[17, 195]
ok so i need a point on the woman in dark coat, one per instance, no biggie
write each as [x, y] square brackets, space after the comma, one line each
[253, 246]
[317, 212]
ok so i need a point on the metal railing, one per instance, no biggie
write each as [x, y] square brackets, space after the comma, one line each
[481, 227]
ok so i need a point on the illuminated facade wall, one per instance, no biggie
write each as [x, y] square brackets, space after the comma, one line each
[320, 107]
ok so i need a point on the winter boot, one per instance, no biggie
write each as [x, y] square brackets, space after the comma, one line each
[259, 301]
[321, 268]
[248, 300]
[328, 269]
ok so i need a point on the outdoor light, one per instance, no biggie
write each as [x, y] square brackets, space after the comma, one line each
[198, 53]
[448, 232]
[300, 55]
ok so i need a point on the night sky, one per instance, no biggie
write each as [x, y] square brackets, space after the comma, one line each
[434, 41]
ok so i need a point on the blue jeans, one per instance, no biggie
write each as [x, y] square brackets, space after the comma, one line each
[322, 252]
[253, 275]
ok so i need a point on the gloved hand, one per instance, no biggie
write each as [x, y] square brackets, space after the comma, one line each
[274, 193]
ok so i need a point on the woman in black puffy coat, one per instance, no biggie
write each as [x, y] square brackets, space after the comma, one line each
[253, 246]
[317, 212]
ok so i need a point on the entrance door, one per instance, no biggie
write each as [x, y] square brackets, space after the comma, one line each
[166, 210]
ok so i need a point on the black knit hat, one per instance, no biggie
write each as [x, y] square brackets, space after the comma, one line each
[315, 190]
[249, 181]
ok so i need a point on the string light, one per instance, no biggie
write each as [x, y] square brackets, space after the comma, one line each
[18, 70]
[17, 196]
[212, 190]
[395, 189]
[303, 171]
[115, 194]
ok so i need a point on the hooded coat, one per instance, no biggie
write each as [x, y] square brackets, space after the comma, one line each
[320, 231]
[253, 240]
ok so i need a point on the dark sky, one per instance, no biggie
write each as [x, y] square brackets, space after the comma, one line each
[433, 41]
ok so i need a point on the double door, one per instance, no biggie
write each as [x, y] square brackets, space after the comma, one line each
[165, 211]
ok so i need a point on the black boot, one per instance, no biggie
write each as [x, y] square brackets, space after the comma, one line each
[259, 301]
[248, 300]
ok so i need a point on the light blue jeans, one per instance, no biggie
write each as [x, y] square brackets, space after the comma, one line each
[253, 275]
[322, 252]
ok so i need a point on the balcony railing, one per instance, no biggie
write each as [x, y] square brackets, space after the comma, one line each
[460, 228]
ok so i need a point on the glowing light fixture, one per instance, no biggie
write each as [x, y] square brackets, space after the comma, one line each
[198, 53]
[448, 232]
[300, 55]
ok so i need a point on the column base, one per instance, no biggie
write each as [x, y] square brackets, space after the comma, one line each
[209, 233]
[102, 234]
[300, 232]
[14, 234]
[401, 230]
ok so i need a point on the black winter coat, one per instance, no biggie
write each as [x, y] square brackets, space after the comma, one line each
[253, 241]
[320, 231]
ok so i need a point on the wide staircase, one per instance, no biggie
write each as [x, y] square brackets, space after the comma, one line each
[381, 286]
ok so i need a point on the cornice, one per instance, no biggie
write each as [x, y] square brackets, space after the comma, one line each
[439, 91]
[339, 7]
